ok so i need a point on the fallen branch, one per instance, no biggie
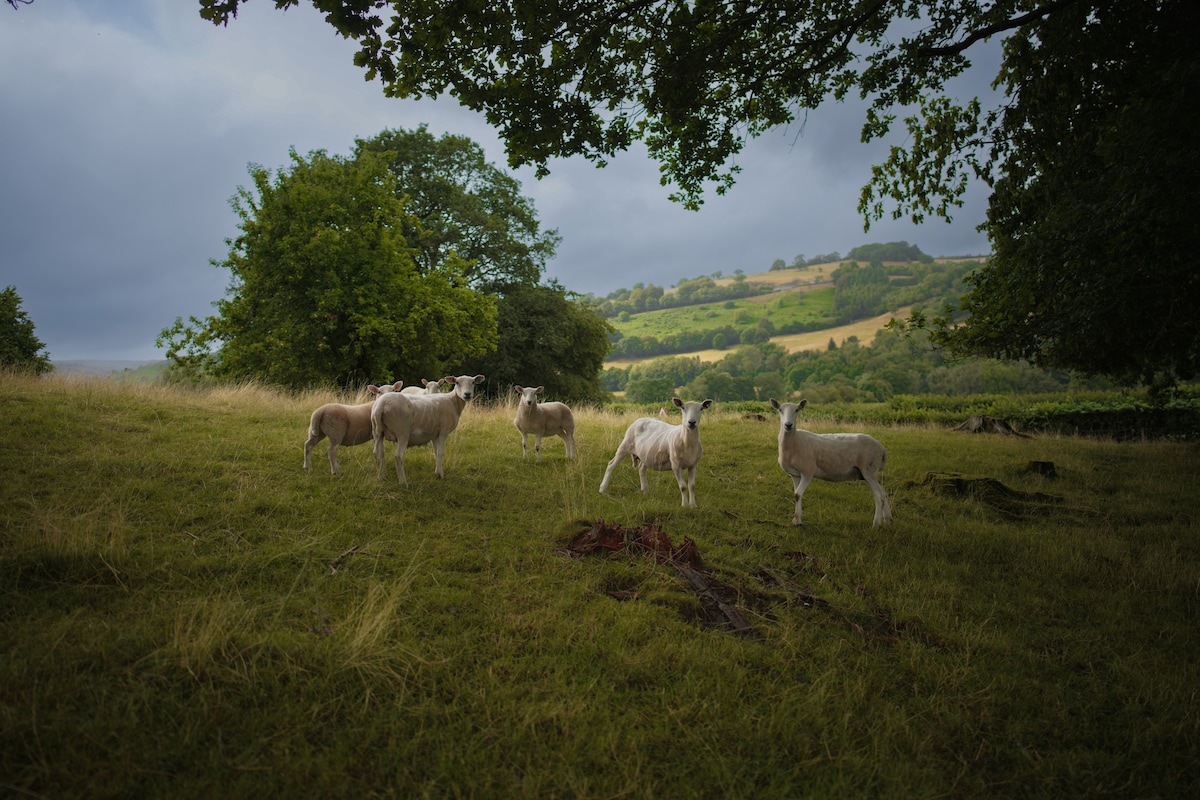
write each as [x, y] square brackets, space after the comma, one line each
[337, 562]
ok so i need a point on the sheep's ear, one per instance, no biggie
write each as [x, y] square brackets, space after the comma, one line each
[397, 386]
[372, 388]
[518, 389]
[801, 404]
[480, 379]
[540, 388]
[774, 404]
[450, 379]
[706, 404]
[677, 402]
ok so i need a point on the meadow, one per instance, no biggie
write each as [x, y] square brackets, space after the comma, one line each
[808, 305]
[187, 613]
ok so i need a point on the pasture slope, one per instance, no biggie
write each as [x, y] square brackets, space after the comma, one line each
[796, 295]
[188, 614]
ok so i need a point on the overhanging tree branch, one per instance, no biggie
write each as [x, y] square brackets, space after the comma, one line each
[991, 30]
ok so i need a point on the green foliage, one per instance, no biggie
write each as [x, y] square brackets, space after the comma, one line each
[325, 290]
[189, 614]
[892, 251]
[649, 390]
[546, 338]
[459, 204]
[19, 346]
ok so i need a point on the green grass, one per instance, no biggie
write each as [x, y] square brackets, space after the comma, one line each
[187, 613]
[782, 308]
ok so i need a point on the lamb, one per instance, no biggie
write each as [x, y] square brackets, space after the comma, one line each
[416, 419]
[543, 419]
[429, 387]
[659, 445]
[831, 457]
[343, 424]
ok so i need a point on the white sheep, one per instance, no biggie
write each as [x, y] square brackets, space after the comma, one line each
[659, 445]
[426, 387]
[543, 419]
[831, 457]
[343, 424]
[416, 419]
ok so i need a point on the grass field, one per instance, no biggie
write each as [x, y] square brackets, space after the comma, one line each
[187, 613]
[864, 329]
[811, 304]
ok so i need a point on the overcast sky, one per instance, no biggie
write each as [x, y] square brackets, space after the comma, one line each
[129, 124]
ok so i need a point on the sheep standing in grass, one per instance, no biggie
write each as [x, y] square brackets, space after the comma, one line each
[426, 387]
[831, 457]
[543, 419]
[416, 419]
[343, 424]
[659, 445]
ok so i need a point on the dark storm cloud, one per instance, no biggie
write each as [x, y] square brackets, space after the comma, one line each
[129, 126]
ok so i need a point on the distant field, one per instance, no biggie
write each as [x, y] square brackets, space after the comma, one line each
[810, 304]
[816, 340]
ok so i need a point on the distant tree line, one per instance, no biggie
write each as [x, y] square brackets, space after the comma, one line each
[849, 371]
[688, 292]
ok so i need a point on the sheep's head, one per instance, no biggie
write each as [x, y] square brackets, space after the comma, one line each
[529, 394]
[464, 385]
[691, 411]
[787, 413]
[432, 387]
[392, 387]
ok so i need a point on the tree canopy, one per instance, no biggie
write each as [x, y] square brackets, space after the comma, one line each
[1088, 151]
[325, 288]
[20, 347]
[460, 204]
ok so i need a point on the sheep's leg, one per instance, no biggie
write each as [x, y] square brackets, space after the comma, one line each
[379, 455]
[524, 444]
[333, 465]
[308, 446]
[569, 439]
[400, 476]
[616, 459]
[537, 445]
[692, 487]
[642, 476]
[799, 486]
[686, 478]
[883, 510]
[438, 446]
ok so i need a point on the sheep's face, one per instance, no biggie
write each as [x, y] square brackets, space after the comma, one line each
[787, 413]
[432, 387]
[464, 385]
[529, 394]
[691, 411]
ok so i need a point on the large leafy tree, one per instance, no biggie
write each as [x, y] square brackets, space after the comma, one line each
[325, 288]
[20, 347]
[1095, 94]
[550, 339]
[460, 204]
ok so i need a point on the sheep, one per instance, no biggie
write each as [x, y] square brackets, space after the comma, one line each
[343, 424]
[426, 387]
[659, 445]
[543, 419]
[831, 457]
[416, 419]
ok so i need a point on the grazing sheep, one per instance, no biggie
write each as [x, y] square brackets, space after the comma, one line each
[659, 445]
[543, 419]
[429, 387]
[831, 457]
[344, 425]
[416, 419]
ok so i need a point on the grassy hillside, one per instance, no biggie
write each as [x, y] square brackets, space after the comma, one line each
[187, 613]
[800, 309]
